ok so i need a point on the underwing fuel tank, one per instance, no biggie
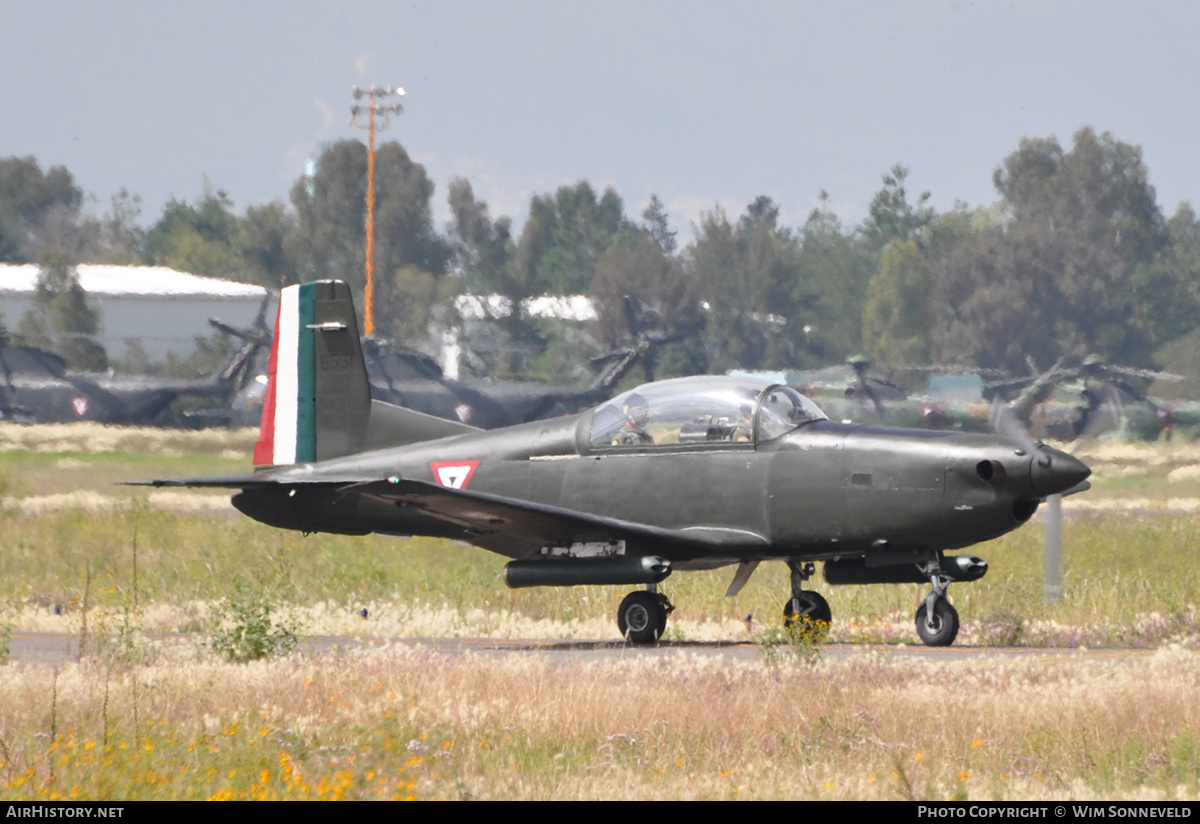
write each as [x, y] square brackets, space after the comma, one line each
[960, 568]
[614, 571]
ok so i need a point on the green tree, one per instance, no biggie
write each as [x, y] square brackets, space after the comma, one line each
[261, 240]
[747, 275]
[834, 266]
[1166, 289]
[663, 296]
[899, 310]
[564, 238]
[1169, 290]
[59, 316]
[121, 239]
[331, 213]
[481, 248]
[1058, 275]
[196, 238]
[890, 217]
[208, 238]
[658, 225]
[38, 210]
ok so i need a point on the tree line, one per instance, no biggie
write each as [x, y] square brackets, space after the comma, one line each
[1074, 257]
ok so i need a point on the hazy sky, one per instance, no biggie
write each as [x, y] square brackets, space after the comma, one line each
[703, 103]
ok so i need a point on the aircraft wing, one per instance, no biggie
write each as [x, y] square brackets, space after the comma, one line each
[215, 482]
[515, 527]
[508, 526]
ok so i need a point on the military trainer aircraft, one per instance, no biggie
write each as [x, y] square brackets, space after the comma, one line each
[683, 474]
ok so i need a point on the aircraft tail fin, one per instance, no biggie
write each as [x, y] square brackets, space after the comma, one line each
[318, 403]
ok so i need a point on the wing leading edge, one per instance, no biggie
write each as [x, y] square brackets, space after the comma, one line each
[509, 526]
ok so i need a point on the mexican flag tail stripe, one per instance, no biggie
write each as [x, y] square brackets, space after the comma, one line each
[288, 432]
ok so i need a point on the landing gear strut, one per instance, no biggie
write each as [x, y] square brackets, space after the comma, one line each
[807, 613]
[642, 616]
[937, 619]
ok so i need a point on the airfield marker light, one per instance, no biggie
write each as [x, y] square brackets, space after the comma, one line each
[372, 108]
[1052, 562]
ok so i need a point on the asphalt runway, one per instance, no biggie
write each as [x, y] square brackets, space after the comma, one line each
[54, 649]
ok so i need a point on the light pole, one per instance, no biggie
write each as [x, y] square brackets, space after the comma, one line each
[377, 104]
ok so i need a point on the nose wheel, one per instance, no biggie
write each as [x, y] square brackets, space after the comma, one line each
[939, 628]
[806, 615]
[642, 616]
[937, 619]
[807, 612]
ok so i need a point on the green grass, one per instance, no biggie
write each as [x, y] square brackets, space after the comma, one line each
[1129, 577]
[1118, 569]
[46, 473]
[137, 719]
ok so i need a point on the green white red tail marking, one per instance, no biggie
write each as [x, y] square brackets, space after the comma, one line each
[288, 433]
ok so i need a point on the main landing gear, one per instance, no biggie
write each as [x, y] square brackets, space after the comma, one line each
[937, 619]
[806, 615]
[642, 616]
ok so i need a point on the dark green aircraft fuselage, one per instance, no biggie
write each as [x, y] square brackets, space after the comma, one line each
[824, 490]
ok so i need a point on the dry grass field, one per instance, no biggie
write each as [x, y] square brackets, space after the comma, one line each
[133, 719]
[400, 722]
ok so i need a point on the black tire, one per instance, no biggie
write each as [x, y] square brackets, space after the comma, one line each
[813, 616]
[945, 624]
[641, 618]
[664, 609]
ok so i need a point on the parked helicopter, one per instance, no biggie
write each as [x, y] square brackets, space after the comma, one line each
[854, 393]
[405, 377]
[38, 387]
[1061, 403]
[720, 471]
[1094, 398]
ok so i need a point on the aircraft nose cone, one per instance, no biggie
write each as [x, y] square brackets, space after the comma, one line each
[1053, 471]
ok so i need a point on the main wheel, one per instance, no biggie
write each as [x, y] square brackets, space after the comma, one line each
[943, 629]
[813, 616]
[641, 617]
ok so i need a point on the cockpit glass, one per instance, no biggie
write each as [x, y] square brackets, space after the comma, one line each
[699, 410]
[784, 409]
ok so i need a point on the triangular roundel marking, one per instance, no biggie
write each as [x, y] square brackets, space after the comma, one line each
[454, 474]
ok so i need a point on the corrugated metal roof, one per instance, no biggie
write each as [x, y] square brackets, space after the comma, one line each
[563, 307]
[104, 279]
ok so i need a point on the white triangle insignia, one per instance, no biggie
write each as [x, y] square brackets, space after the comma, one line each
[453, 476]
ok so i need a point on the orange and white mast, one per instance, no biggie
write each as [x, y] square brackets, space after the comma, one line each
[384, 110]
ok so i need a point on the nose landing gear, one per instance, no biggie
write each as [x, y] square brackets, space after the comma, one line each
[642, 616]
[937, 619]
[806, 615]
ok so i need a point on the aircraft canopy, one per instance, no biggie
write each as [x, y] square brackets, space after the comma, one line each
[701, 410]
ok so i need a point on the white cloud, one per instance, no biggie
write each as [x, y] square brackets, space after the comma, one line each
[326, 115]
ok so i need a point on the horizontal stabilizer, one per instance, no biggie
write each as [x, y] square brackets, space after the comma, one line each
[392, 425]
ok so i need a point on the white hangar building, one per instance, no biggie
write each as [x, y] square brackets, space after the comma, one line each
[163, 309]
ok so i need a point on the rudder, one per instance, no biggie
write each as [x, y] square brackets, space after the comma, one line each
[318, 402]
